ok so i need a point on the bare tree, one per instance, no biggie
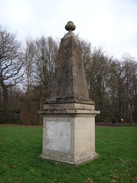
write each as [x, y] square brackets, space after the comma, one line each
[11, 62]
[97, 68]
[130, 86]
[86, 49]
[117, 81]
[29, 53]
[39, 57]
[29, 81]
[46, 53]
[123, 85]
[97, 77]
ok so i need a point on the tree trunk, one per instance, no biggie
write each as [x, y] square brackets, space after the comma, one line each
[5, 94]
[131, 118]
[121, 107]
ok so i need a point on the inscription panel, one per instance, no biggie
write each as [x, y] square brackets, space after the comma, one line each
[58, 136]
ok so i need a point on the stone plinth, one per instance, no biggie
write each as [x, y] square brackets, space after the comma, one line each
[69, 132]
[69, 114]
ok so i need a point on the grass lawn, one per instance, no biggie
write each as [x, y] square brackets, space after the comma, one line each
[21, 146]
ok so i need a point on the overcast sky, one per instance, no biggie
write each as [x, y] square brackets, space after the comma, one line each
[112, 23]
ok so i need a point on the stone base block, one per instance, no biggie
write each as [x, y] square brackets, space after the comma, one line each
[69, 138]
[67, 159]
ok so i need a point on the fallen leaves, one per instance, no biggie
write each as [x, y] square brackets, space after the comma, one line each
[88, 180]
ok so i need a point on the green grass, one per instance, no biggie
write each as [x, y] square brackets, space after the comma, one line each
[21, 146]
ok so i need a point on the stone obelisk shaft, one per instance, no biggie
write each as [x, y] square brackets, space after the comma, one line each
[69, 81]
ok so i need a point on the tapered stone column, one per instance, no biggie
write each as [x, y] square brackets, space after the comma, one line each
[69, 114]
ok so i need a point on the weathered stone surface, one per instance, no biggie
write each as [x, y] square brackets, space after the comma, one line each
[69, 114]
[69, 108]
[70, 80]
[58, 136]
[70, 26]
[69, 138]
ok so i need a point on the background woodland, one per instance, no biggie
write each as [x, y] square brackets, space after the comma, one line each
[27, 70]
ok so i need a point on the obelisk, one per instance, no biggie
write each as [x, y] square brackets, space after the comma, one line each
[69, 114]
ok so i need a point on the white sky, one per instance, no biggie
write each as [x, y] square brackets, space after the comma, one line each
[112, 23]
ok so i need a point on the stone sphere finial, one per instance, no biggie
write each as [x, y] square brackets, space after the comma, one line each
[70, 26]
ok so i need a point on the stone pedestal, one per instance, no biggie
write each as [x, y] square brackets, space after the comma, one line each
[69, 132]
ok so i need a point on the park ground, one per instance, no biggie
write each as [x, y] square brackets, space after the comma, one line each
[20, 147]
